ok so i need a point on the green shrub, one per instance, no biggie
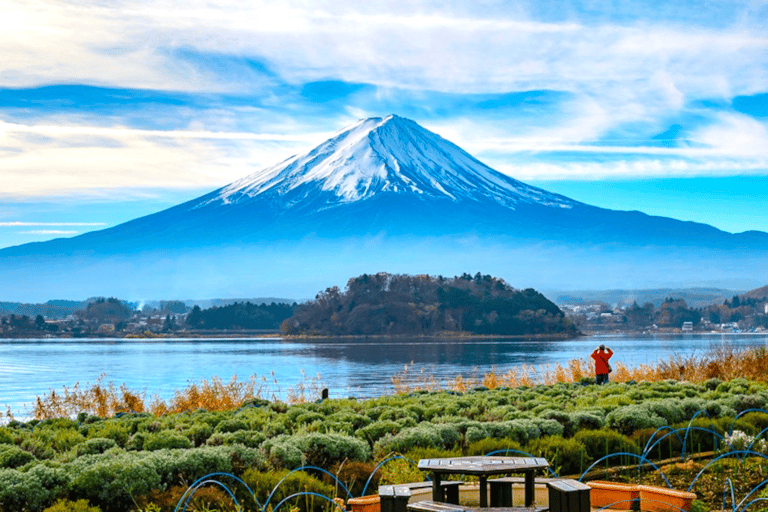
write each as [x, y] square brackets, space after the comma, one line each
[582, 420]
[136, 442]
[232, 425]
[565, 456]
[248, 438]
[55, 480]
[563, 418]
[6, 436]
[198, 433]
[475, 434]
[20, 492]
[628, 419]
[424, 435]
[72, 506]
[14, 457]
[110, 481]
[166, 440]
[117, 430]
[57, 438]
[668, 409]
[175, 467]
[377, 430]
[488, 445]
[309, 417]
[599, 443]
[315, 449]
[548, 427]
[95, 445]
[522, 430]
[712, 384]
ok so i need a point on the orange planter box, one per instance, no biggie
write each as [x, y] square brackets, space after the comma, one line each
[659, 499]
[365, 503]
[613, 495]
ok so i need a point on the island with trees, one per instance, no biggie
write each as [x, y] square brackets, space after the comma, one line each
[395, 304]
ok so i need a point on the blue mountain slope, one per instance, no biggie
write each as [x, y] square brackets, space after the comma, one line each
[364, 201]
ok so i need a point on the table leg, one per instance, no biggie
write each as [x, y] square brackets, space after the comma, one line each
[483, 491]
[437, 491]
[529, 488]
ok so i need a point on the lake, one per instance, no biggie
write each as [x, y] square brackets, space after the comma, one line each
[349, 367]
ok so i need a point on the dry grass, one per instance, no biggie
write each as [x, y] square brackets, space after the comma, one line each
[212, 395]
[723, 362]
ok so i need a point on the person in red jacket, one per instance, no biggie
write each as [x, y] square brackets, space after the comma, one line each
[601, 355]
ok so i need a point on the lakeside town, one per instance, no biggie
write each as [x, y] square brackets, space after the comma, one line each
[112, 317]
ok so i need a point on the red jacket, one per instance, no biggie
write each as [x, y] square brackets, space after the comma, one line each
[601, 360]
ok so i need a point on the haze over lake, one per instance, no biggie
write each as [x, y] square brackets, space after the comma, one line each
[361, 368]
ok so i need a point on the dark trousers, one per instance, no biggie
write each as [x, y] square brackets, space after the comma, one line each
[601, 378]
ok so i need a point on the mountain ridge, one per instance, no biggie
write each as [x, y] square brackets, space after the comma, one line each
[383, 195]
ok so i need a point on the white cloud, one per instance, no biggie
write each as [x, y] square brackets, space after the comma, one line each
[628, 169]
[49, 232]
[617, 74]
[26, 224]
[50, 160]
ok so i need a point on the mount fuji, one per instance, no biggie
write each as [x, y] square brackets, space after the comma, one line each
[383, 195]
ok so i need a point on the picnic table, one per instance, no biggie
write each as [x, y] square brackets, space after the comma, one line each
[483, 467]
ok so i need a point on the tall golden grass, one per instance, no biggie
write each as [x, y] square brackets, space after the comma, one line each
[723, 362]
[107, 399]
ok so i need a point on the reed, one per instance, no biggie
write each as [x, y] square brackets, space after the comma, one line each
[723, 362]
[106, 399]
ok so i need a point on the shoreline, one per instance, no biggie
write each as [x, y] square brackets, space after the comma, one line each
[445, 336]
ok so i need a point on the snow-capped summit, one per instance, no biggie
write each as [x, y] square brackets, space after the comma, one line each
[384, 155]
[383, 195]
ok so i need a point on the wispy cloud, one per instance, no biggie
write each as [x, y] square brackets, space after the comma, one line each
[29, 224]
[241, 84]
[49, 232]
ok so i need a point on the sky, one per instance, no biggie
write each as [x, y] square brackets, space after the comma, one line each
[112, 110]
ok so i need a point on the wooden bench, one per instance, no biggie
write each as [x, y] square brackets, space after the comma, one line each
[568, 496]
[501, 489]
[394, 498]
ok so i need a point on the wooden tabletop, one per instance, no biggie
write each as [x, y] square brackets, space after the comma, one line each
[481, 465]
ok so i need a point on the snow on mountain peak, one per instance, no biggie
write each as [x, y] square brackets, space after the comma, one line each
[385, 155]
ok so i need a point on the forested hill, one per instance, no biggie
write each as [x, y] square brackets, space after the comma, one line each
[404, 304]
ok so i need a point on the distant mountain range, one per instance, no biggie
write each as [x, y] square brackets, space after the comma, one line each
[383, 195]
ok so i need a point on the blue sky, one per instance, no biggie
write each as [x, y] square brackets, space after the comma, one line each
[113, 110]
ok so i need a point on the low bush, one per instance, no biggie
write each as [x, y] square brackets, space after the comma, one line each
[582, 420]
[631, 418]
[599, 443]
[248, 438]
[378, 429]
[565, 456]
[315, 449]
[424, 435]
[20, 492]
[117, 430]
[489, 445]
[95, 445]
[111, 481]
[72, 506]
[166, 440]
[14, 457]
[6, 436]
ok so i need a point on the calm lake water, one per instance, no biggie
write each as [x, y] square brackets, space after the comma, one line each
[360, 368]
